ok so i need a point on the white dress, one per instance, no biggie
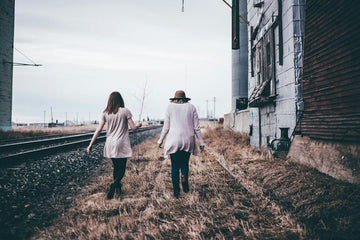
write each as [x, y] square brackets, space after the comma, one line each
[117, 143]
[180, 126]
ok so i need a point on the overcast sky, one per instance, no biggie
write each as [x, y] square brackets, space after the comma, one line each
[89, 48]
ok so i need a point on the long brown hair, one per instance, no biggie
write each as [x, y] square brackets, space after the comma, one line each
[115, 101]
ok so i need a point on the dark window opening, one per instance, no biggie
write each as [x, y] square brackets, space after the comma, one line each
[241, 103]
[268, 56]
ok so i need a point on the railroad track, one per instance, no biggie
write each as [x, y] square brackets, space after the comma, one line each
[16, 153]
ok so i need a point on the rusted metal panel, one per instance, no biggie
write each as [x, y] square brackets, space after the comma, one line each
[331, 71]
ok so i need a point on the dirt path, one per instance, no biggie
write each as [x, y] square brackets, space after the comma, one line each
[217, 206]
[329, 209]
[262, 198]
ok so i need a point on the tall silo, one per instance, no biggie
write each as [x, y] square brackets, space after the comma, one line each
[239, 55]
[7, 8]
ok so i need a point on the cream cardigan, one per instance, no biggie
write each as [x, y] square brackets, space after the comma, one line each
[180, 126]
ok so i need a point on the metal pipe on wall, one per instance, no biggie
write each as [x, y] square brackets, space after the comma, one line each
[239, 52]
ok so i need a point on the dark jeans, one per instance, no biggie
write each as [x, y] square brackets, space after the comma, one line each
[119, 169]
[179, 160]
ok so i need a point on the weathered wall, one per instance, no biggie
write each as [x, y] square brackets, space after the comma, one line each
[6, 57]
[229, 120]
[331, 81]
[283, 111]
[238, 121]
[337, 159]
[329, 130]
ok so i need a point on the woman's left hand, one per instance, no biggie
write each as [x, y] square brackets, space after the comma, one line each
[88, 149]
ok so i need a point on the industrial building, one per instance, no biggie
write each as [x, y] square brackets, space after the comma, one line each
[7, 9]
[303, 82]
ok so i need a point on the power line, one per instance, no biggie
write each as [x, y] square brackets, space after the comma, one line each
[23, 64]
[24, 55]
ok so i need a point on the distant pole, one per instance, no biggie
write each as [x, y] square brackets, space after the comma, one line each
[44, 117]
[77, 118]
[214, 106]
[52, 119]
[65, 119]
[207, 109]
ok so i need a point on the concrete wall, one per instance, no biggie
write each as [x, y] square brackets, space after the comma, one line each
[339, 160]
[7, 8]
[283, 113]
[238, 121]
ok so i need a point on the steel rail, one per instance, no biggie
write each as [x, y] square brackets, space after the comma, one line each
[16, 158]
[50, 140]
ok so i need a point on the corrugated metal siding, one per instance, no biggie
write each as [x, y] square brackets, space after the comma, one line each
[331, 73]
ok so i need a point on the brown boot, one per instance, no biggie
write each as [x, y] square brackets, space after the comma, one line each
[185, 183]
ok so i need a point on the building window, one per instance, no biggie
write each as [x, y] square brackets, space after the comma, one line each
[268, 56]
[258, 65]
[264, 91]
[258, 3]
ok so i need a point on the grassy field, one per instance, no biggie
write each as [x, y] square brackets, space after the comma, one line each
[29, 131]
[264, 201]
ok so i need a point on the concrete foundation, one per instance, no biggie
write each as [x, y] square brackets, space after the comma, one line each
[238, 121]
[339, 160]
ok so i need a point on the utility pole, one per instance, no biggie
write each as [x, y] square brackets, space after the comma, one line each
[207, 109]
[52, 119]
[65, 119]
[44, 116]
[214, 106]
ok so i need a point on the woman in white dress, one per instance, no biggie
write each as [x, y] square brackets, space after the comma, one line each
[117, 146]
[181, 125]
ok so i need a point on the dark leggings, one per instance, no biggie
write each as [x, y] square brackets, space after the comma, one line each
[119, 169]
[179, 161]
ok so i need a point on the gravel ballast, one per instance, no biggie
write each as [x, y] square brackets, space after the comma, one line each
[37, 191]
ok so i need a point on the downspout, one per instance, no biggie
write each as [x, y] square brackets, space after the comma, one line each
[280, 25]
[259, 110]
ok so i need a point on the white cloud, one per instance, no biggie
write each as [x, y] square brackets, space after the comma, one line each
[90, 48]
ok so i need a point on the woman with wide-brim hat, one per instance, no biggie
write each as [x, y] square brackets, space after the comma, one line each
[180, 126]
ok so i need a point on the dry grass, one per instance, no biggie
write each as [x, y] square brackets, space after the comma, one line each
[328, 208]
[266, 202]
[29, 131]
[216, 207]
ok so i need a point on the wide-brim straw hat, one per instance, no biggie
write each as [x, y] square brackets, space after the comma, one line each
[180, 94]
